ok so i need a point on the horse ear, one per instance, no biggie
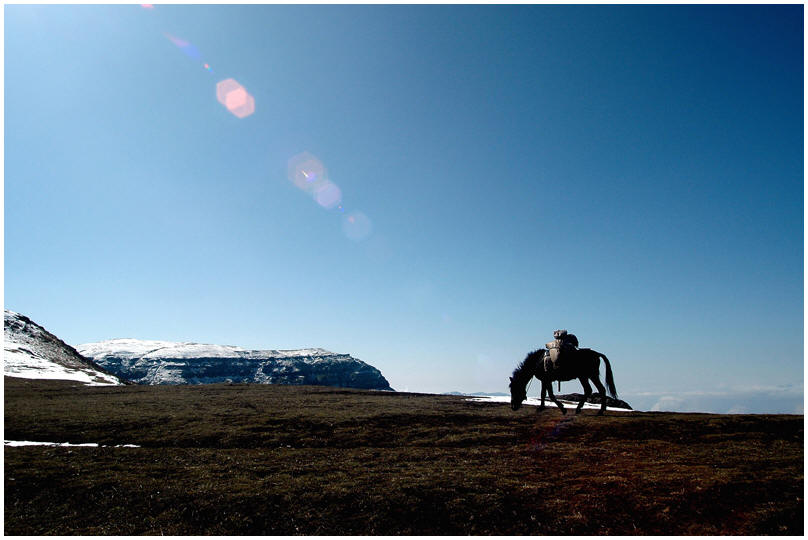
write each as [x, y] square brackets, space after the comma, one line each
[511, 378]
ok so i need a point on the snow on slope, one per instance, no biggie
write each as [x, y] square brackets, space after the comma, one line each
[141, 348]
[31, 352]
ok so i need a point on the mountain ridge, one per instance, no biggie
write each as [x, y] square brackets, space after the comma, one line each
[168, 362]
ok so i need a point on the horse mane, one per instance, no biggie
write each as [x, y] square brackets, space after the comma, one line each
[529, 364]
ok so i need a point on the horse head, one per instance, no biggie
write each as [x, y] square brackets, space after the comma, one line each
[522, 375]
[518, 394]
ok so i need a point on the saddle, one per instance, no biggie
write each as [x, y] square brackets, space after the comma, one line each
[563, 343]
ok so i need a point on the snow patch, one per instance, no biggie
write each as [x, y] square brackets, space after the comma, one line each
[22, 363]
[537, 402]
[89, 444]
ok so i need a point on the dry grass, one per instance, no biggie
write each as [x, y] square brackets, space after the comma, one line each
[255, 459]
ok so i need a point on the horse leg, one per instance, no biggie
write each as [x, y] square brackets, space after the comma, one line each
[602, 390]
[587, 393]
[543, 393]
[552, 396]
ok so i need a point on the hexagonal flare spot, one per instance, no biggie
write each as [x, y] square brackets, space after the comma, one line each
[246, 107]
[307, 172]
[235, 98]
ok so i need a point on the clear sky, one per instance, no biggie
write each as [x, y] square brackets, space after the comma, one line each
[633, 174]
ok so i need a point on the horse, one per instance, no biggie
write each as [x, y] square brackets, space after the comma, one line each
[581, 364]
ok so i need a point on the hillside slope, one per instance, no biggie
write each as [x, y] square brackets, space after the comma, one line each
[31, 352]
[270, 459]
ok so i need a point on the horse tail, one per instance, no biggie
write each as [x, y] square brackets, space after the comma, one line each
[609, 377]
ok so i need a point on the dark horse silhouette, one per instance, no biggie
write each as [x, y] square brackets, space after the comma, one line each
[581, 364]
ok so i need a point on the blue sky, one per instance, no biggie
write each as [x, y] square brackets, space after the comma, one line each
[633, 174]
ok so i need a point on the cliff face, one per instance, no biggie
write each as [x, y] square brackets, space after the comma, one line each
[162, 362]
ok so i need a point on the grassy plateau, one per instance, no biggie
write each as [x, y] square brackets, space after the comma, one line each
[265, 459]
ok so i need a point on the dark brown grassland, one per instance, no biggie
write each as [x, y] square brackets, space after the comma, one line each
[260, 459]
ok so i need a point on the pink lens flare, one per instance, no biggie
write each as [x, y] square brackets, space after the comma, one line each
[235, 98]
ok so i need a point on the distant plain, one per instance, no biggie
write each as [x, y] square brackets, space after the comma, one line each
[269, 459]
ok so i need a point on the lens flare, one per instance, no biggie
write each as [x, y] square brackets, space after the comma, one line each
[184, 46]
[328, 196]
[235, 98]
[356, 226]
[177, 41]
[306, 172]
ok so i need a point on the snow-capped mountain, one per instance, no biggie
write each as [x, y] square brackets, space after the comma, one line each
[31, 352]
[166, 362]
